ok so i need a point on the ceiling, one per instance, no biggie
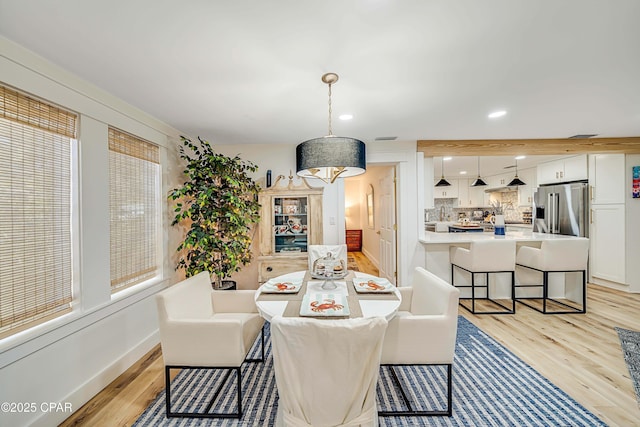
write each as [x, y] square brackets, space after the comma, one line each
[248, 71]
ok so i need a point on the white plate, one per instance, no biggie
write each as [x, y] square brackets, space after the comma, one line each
[320, 305]
[372, 286]
[282, 287]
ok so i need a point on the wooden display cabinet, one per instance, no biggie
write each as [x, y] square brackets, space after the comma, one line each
[291, 220]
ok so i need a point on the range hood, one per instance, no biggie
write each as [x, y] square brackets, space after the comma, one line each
[501, 189]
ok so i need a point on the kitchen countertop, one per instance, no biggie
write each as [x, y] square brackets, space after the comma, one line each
[520, 235]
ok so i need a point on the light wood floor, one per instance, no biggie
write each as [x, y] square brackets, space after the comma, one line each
[579, 353]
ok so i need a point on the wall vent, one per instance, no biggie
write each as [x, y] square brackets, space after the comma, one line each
[386, 138]
[584, 136]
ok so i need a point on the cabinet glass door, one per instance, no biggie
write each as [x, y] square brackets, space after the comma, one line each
[290, 224]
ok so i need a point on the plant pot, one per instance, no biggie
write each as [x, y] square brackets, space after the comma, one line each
[225, 285]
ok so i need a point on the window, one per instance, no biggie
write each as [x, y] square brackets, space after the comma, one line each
[37, 141]
[134, 204]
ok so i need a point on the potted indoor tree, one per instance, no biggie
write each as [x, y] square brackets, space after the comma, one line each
[218, 204]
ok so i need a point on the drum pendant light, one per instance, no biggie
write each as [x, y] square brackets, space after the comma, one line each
[330, 157]
[443, 182]
[516, 181]
[478, 182]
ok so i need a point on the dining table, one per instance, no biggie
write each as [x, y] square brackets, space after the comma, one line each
[289, 295]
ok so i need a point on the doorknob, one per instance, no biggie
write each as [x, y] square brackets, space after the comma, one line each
[378, 232]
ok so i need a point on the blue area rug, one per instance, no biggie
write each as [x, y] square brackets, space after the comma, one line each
[630, 343]
[491, 387]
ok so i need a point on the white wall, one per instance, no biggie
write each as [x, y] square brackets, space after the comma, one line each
[281, 159]
[353, 204]
[632, 226]
[70, 359]
[405, 158]
[370, 237]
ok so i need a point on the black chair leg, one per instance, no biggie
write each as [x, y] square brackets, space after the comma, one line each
[545, 293]
[206, 413]
[262, 344]
[473, 298]
[410, 412]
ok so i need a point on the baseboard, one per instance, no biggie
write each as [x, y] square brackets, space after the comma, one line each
[609, 284]
[102, 379]
[371, 258]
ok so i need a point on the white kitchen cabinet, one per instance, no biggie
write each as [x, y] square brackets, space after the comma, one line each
[463, 193]
[525, 192]
[548, 172]
[449, 192]
[497, 181]
[606, 178]
[575, 168]
[607, 236]
[471, 197]
[563, 170]
[607, 228]
[477, 197]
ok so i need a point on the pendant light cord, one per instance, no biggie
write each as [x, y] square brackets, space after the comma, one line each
[330, 132]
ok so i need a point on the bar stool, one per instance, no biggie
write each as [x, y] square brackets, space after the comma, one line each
[486, 257]
[555, 256]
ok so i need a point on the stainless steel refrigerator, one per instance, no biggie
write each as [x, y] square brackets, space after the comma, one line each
[562, 209]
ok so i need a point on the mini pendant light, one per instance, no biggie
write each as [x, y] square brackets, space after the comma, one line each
[516, 181]
[330, 157]
[443, 182]
[478, 182]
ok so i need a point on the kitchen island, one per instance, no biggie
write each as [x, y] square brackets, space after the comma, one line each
[436, 260]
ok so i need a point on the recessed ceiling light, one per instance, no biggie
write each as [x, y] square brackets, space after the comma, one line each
[447, 158]
[463, 172]
[345, 116]
[497, 114]
[520, 157]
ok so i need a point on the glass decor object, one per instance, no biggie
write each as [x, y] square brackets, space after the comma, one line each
[329, 268]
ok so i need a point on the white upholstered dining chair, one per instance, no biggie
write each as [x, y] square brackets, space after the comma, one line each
[423, 332]
[327, 370]
[205, 329]
[321, 251]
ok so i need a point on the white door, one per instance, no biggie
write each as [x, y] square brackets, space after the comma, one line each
[387, 230]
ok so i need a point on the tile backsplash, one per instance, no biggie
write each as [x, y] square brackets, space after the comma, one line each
[505, 203]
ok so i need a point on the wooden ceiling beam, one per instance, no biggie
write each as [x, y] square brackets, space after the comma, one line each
[514, 147]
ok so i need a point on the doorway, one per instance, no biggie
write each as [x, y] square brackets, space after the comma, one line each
[370, 210]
